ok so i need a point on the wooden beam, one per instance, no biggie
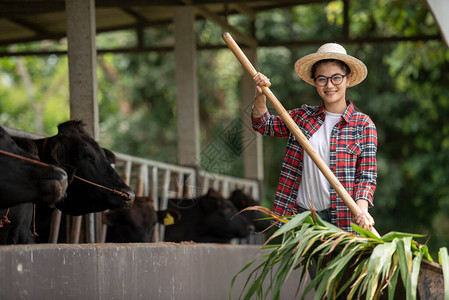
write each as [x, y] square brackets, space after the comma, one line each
[280, 2]
[211, 16]
[290, 4]
[19, 8]
[29, 25]
[136, 15]
[342, 40]
[23, 8]
[238, 35]
[244, 10]
[266, 44]
[129, 3]
[9, 8]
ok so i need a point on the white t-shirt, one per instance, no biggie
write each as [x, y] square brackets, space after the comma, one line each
[314, 186]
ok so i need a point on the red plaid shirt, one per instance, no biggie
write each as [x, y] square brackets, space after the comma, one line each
[353, 146]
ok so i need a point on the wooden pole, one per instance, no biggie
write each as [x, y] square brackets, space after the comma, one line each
[299, 135]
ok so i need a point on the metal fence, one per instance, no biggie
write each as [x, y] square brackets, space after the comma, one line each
[226, 184]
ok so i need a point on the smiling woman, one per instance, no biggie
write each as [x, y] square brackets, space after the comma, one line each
[343, 137]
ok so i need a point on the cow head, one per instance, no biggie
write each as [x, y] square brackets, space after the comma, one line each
[241, 201]
[73, 149]
[24, 181]
[220, 220]
[136, 223]
[131, 224]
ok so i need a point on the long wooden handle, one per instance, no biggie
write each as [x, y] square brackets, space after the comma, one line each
[299, 135]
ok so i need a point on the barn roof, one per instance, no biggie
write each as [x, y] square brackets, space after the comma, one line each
[36, 20]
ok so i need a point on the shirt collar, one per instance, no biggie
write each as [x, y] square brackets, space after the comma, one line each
[320, 111]
[348, 111]
[346, 114]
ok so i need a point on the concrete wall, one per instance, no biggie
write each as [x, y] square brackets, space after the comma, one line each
[126, 271]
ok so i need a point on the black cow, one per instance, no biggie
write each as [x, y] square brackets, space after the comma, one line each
[75, 151]
[207, 219]
[24, 181]
[241, 201]
[136, 224]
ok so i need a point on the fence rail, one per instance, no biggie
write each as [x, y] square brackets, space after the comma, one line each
[226, 184]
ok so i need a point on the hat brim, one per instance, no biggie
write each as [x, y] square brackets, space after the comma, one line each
[303, 66]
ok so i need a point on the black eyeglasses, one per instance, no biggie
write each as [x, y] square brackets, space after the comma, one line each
[336, 79]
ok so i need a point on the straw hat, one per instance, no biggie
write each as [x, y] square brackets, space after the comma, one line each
[303, 66]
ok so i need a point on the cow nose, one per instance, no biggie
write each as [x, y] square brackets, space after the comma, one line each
[64, 180]
[130, 196]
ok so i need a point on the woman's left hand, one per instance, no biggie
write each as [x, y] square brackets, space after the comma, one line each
[364, 219]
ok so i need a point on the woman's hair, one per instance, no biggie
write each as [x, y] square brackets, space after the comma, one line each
[342, 65]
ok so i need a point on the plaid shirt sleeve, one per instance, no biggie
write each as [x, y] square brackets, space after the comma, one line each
[267, 124]
[272, 125]
[366, 171]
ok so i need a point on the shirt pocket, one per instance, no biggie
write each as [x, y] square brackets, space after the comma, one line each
[348, 163]
[353, 149]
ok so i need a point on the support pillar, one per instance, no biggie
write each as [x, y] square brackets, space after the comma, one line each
[82, 57]
[252, 154]
[187, 88]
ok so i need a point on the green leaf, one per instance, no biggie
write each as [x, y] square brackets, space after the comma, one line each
[405, 263]
[392, 285]
[444, 262]
[294, 222]
[416, 266]
[364, 232]
[241, 271]
[375, 263]
[338, 264]
[398, 235]
[379, 265]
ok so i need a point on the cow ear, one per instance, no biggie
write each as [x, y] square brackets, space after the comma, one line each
[109, 155]
[53, 156]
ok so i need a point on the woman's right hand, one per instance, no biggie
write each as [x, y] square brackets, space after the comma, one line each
[260, 80]
[260, 105]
